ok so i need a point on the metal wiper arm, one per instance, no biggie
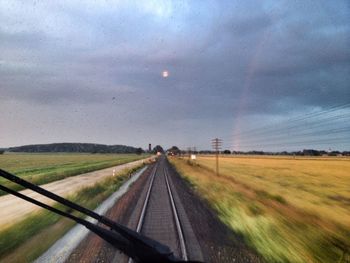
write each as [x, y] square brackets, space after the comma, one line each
[135, 245]
[105, 234]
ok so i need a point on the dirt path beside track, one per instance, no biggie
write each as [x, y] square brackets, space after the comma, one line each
[13, 209]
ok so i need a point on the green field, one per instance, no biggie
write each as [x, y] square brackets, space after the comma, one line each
[287, 209]
[45, 168]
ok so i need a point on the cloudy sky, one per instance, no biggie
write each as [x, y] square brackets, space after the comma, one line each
[272, 75]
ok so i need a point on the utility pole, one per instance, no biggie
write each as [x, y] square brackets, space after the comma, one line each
[216, 144]
[189, 153]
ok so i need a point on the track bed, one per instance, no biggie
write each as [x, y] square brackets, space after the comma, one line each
[162, 206]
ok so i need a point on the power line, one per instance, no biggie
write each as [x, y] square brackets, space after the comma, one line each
[296, 119]
[296, 143]
[293, 134]
[311, 124]
[308, 129]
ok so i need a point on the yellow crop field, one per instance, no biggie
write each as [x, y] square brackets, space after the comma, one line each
[288, 209]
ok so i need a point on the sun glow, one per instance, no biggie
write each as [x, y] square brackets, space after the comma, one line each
[165, 74]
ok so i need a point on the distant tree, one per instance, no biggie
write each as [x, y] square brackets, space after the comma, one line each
[174, 150]
[2, 151]
[256, 152]
[139, 151]
[227, 152]
[206, 152]
[158, 148]
[311, 152]
[334, 153]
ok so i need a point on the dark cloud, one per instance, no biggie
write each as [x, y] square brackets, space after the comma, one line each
[249, 25]
[228, 62]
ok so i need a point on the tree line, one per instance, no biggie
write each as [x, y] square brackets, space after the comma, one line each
[174, 150]
[75, 147]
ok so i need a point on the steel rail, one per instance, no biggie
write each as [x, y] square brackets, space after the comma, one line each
[144, 207]
[173, 208]
[176, 217]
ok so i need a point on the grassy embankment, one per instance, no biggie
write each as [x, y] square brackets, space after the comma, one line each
[45, 168]
[289, 210]
[28, 239]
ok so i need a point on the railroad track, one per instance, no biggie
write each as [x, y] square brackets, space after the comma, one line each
[159, 217]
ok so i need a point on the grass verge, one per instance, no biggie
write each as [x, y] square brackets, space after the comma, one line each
[29, 238]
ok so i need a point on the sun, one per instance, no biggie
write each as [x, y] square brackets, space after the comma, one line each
[165, 74]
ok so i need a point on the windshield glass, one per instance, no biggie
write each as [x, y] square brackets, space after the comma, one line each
[238, 112]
